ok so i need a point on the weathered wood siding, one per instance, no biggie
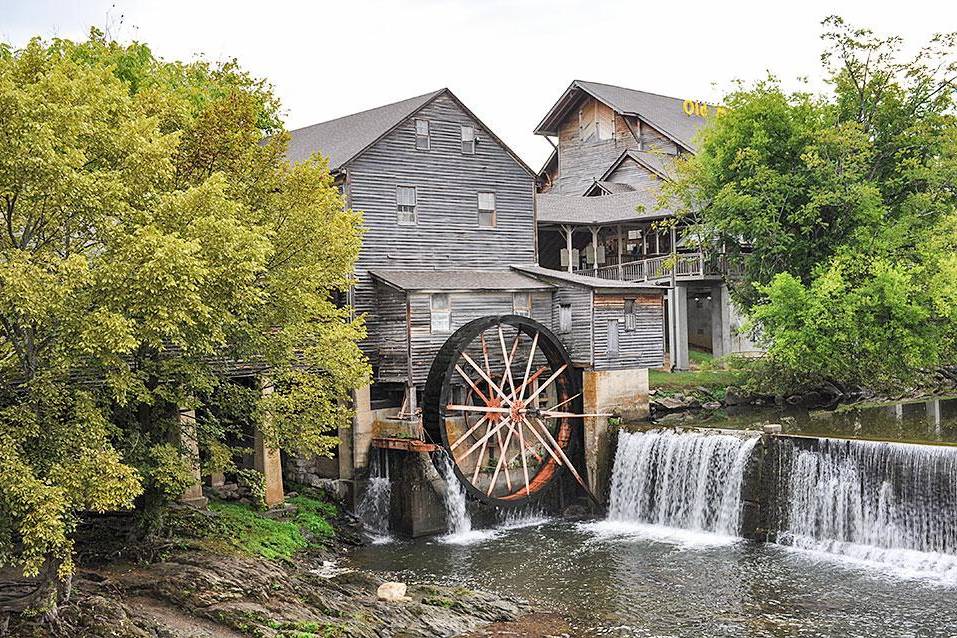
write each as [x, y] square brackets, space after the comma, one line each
[578, 341]
[447, 181]
[465, 306]
[389, 326]
[634, 174]
[581, 162]
[640, 348]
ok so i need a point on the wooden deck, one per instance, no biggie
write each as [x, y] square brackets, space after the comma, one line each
[657, 270]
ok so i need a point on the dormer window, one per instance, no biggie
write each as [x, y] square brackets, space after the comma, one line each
[468, 140]
[423, 140]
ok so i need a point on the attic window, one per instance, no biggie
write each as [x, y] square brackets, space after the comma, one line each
[423, 140]
[468, 140]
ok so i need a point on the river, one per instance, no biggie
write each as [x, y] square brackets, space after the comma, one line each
[863, 559]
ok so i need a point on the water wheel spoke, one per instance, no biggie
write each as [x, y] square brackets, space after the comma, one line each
[507, 373]
[528, 366]
[487, 435]
[469, 432]
[531, 380]
[471, 383]
[501, 461]
[486, 378]
[548, 448]
[521, 445]
[561, 453]
[551, 414]
[502, 453]
[547, 383]
[478, 464]
[477, 408]
[566, 401]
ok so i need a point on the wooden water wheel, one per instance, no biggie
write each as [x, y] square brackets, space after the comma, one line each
[502, 399]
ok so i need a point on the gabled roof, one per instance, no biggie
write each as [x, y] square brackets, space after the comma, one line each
[660, 164]
[345, 138]
[609, 188]
[449, 280]
[616, 208]
[662, 112]
[595, 283]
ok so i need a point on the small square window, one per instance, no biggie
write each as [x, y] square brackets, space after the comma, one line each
[441, 309]
[405, 204]
[468, 140]
[486, 210]
[522, 303]
[564, 318]
[423, 139]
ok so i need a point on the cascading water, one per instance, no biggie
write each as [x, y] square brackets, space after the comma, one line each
[373, 510]
[891, 504]
[459, 522]
[690, 480]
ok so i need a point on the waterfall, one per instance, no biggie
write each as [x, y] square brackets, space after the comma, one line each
[373, 510]
[459, 522]
[885, 503]
[690, 480]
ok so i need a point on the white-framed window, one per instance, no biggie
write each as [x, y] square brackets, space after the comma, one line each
[441, 308]
[468, 140]
[405, 204]
[486, 210]
[423, 139]
[564, 318]
[522, 303]
[611, 348]
[630, 319]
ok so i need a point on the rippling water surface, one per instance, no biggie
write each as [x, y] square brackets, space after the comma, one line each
[628, 579]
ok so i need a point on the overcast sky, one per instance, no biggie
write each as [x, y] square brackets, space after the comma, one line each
[507, 60]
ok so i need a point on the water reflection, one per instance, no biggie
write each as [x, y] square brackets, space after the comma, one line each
[641, 586]
[926, 421]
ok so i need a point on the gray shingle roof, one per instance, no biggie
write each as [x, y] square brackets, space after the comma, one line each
[663, 112]
[615, 187]
[458, 280]
[563, 276]
[604, 209]
[343, 138]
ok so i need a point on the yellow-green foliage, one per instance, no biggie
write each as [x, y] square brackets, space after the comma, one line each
[150, 221]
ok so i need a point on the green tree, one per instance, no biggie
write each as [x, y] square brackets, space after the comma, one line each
[151, 236]
[840, 207]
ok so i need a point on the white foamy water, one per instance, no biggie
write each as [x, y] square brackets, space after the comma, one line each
[889, 506]
[373, 510]
[683, 482]
[460, 524]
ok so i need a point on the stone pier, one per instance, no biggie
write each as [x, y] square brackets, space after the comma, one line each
[623, 393]
[189, 440]
[266, 460]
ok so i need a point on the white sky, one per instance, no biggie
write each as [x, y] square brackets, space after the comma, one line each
[507, 60]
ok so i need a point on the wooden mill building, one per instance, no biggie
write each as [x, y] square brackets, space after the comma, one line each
[451, 235]
[598, 212]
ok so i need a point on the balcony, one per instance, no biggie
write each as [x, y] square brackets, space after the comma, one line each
[657, 270]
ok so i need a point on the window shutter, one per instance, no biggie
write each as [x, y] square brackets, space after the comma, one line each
[564, 318]
[611, 348]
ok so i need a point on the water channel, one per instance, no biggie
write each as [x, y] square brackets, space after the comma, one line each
[859, 556]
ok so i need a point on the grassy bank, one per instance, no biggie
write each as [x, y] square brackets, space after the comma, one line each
[706, 371]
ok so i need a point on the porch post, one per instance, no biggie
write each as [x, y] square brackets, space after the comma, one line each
[568, 244]
[189, 439]
[266, 460]
[681, 326]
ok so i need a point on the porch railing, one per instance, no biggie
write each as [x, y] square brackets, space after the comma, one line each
[654, 269]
